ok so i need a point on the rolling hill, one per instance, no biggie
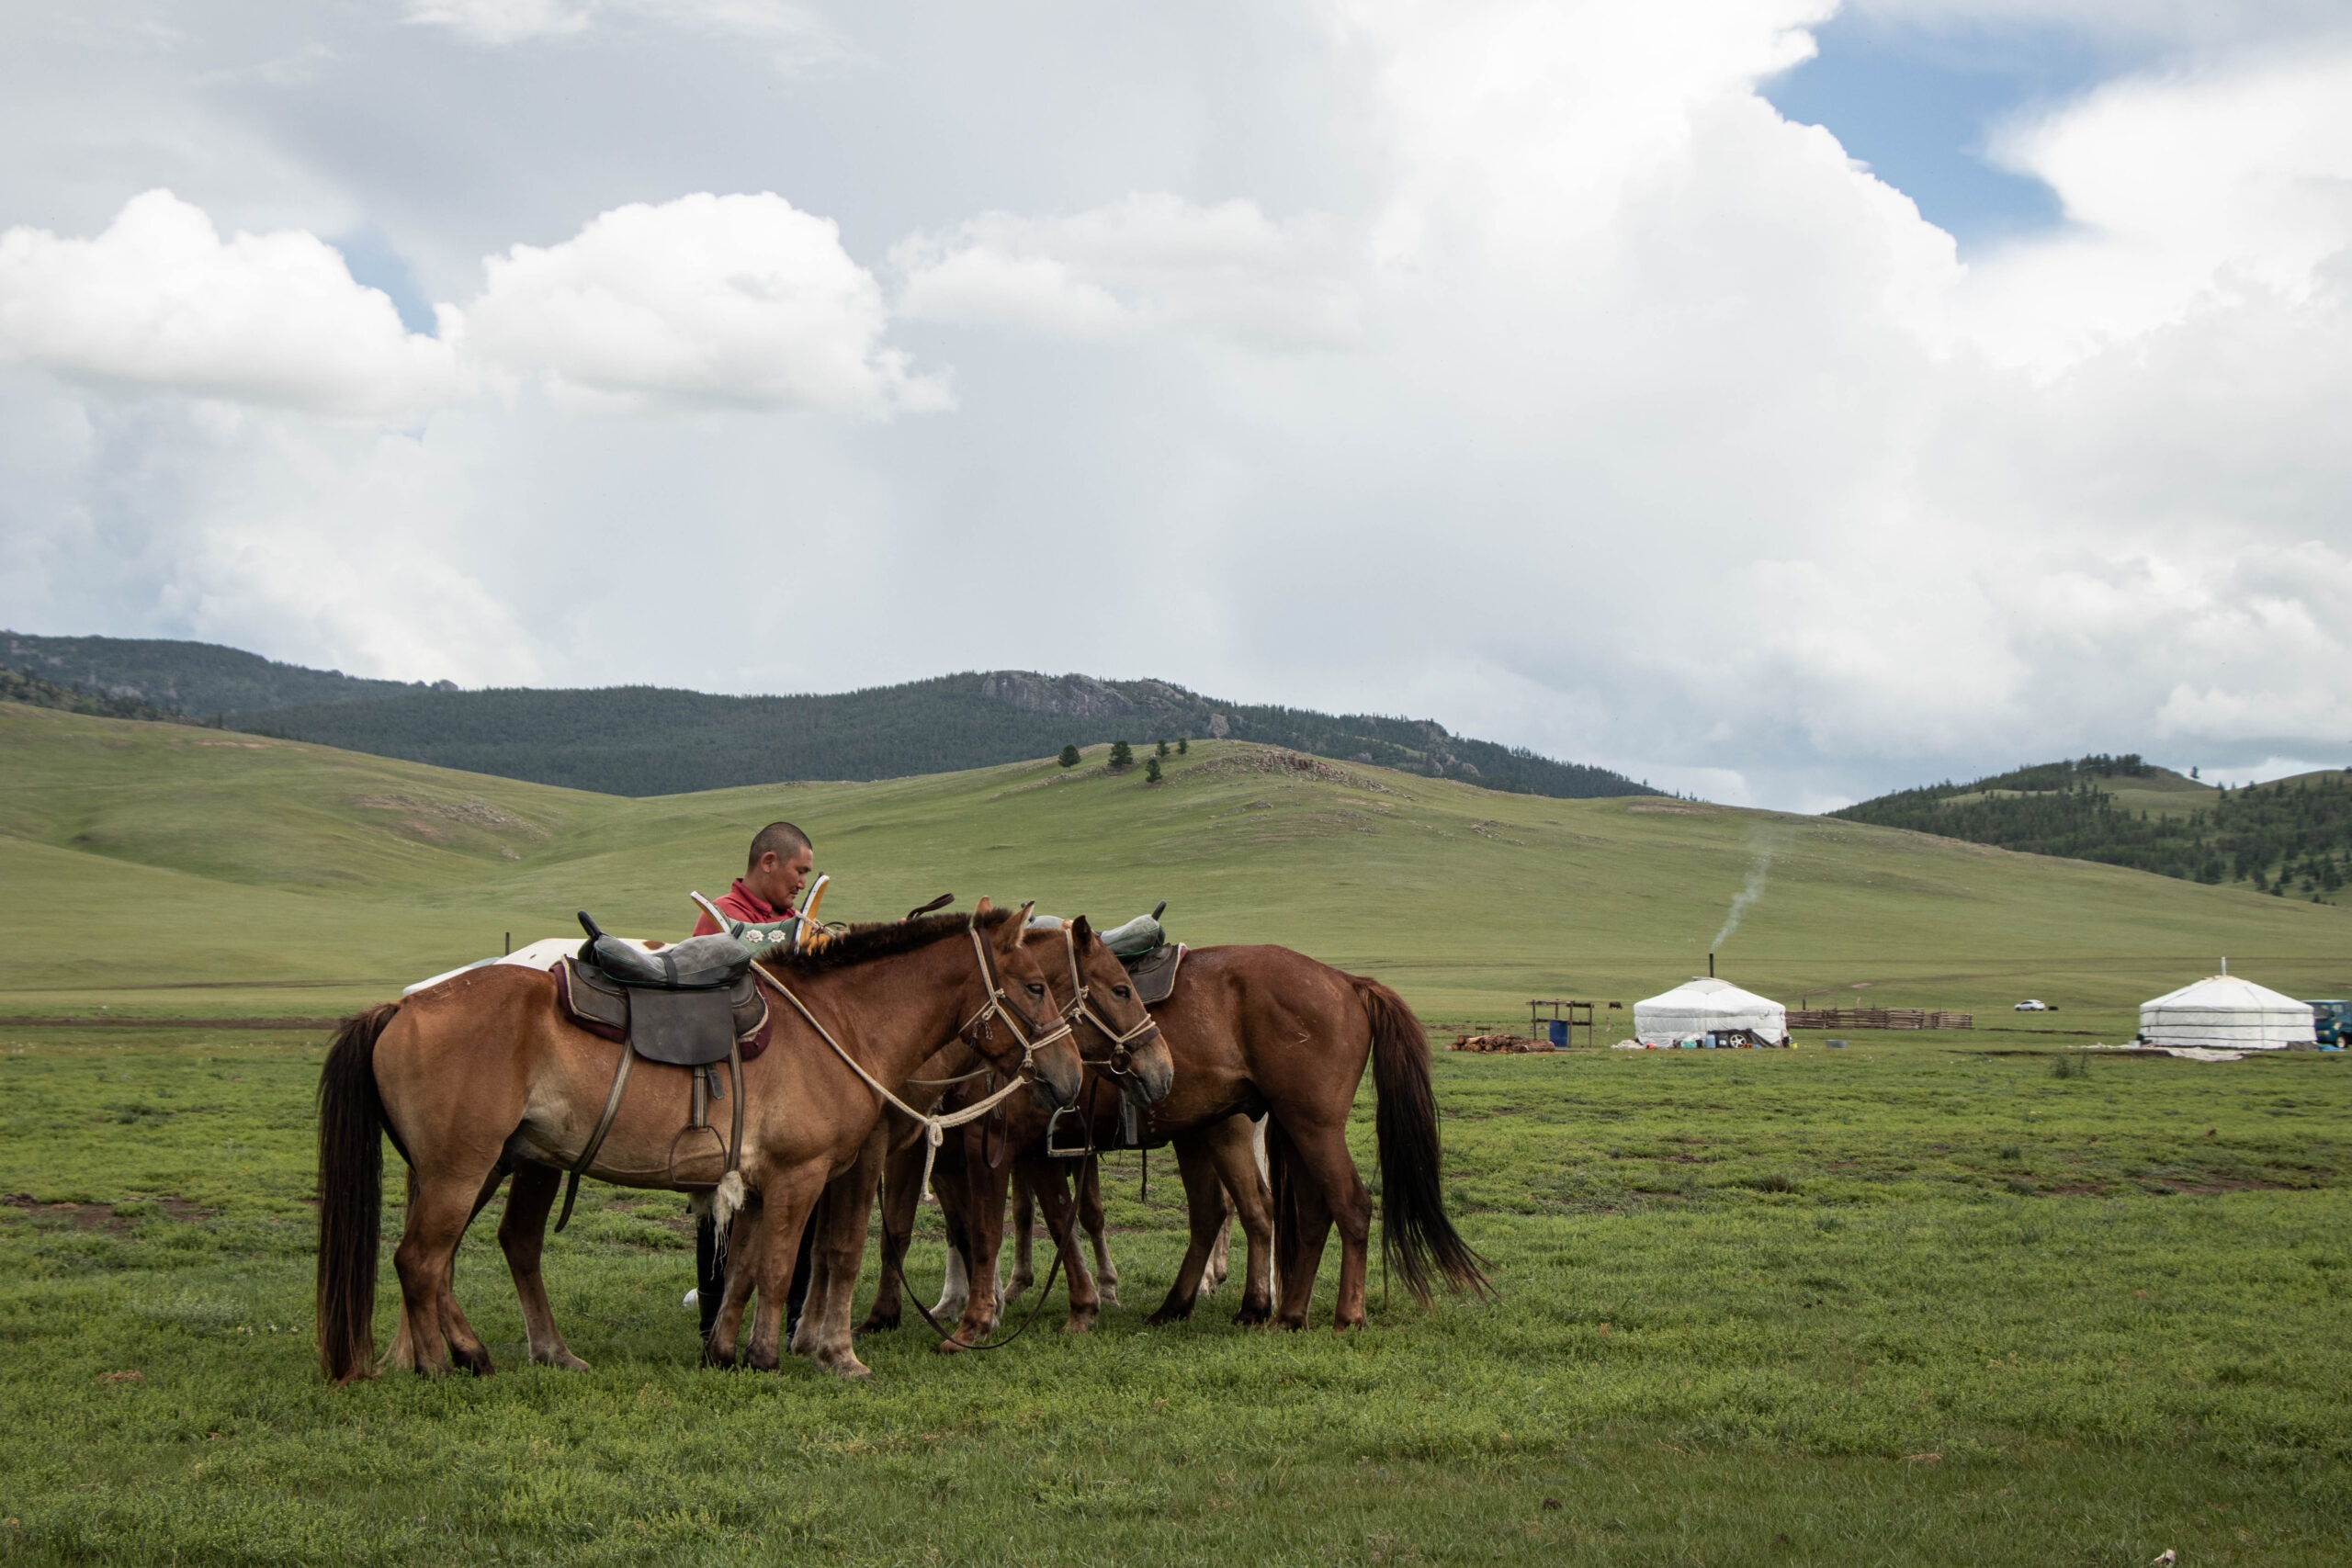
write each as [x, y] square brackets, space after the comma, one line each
[169, 871]
[2292, 836]
[646, 741]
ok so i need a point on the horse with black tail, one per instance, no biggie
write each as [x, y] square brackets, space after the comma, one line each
[481, 1075]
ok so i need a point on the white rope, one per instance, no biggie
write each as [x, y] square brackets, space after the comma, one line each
[934, 1128]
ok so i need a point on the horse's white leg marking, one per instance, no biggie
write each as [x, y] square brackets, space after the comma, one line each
[1106, 1273]
[955, 1291]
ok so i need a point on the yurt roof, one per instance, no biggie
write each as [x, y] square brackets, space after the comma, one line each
[2227, 993]
[1707, 994]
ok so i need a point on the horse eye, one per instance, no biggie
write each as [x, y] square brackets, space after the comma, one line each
[1121, 993]
[1036, 989]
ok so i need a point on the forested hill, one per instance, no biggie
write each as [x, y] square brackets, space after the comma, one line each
[2292, 837]
[640, 740]
[649, 740]
[200, 679]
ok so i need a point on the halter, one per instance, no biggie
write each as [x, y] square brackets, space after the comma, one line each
[998, 1005]
[1081, 1009]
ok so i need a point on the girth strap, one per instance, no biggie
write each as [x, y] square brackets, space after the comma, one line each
[696, 1119]
[596, 1139]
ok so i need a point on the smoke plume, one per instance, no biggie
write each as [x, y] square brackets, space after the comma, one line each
[1758, 870]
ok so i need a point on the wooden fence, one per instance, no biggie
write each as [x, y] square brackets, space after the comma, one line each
[1878, 1018]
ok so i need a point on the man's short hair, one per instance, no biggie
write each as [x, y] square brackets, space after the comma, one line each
[781, 837]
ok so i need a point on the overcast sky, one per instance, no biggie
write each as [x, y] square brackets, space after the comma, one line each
[1772, 400]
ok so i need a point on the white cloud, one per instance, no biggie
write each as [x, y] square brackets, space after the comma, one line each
[160, 302]
[1149, 260]
[2184, 192]
[725, 299]
[798, 36]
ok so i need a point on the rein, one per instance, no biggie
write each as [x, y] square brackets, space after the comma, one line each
[1081, 1009]
[936, 1127]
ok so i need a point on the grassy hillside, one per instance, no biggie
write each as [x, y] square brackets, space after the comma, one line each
[145, 860]
[2288, 837]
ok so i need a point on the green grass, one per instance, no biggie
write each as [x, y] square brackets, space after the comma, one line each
[1904, 1304]
[1915, 1302]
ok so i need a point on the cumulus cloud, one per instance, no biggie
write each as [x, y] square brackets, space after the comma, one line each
[728, 299]
[1149, 260]
[159, 301]
[738, 300]
[2184, 192]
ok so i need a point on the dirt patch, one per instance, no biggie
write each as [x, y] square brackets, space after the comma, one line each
[102, 1216]
[1292, 764]
[470, 809]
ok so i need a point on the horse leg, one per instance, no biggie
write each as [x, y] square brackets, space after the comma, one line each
[1090, 1214]
[745, 1235]
[901, 1177]
[791, 1200]
[1302, 1223]
[426, 1260]
[947, 1180]
[522, 1235]
[1220, 1264]
[984, 1188]
[1047, 1180]
[1025, 1220]
[1205, 1214]
[1325, 1174]
[824, 1335]
[1232, 1144]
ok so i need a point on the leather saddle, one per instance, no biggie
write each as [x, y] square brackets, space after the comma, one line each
[693, 1004]
[686, 1004]
[1153, 973]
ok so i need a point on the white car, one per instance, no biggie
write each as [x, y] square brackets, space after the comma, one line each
[2030, 1006]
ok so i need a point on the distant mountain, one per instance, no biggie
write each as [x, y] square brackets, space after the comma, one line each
[200, 679]
[640, 740]
[2289, 836]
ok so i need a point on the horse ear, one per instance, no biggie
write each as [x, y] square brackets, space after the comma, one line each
[1081, 932]
[1020, 920]
[982, 908]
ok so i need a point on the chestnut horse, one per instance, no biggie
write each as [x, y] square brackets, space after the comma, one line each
[1118, 1043]
[1254, 1029]
[481, 1075]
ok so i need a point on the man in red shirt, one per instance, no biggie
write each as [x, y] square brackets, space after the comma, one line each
[781, 861]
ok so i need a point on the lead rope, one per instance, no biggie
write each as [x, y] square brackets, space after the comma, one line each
[934, 1128]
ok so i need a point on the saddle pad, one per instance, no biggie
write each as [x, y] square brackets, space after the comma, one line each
[689, 1036]
[1154, 974]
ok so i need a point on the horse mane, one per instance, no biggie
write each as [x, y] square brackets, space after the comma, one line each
[865, 942]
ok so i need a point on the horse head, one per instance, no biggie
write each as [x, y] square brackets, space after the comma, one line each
[1116, 1032]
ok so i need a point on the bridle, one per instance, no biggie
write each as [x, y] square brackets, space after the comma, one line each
[999, 1005]
[1080, 1009]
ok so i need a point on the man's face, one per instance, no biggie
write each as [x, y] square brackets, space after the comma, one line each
[779, 881]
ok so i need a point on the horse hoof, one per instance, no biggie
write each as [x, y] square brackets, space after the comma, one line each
[1170, 1311]
[1110, 1295]
[565, 1362]
[877, 1323]
[1250, 1316]
[1078, 1323]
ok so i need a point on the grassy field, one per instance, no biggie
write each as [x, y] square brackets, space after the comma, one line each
[1915, 1302]
[1904, 1304]
[168, 871]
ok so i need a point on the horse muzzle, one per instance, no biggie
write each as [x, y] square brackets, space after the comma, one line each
[1148, 1074]
[1054, 1084]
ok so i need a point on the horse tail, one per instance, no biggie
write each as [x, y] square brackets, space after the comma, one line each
[1414, 1231]
[351, 1195]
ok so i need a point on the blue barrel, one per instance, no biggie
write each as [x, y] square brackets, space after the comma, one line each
[1560, 1033]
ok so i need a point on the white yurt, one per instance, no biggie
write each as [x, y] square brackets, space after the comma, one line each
[1707, 1005]
[2226, 1013]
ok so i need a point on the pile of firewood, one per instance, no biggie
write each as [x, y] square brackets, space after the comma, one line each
[1509, 1044]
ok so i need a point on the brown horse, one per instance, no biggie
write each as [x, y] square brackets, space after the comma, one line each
[481, 1075]
[1119, 1044]
[1254, 1029]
